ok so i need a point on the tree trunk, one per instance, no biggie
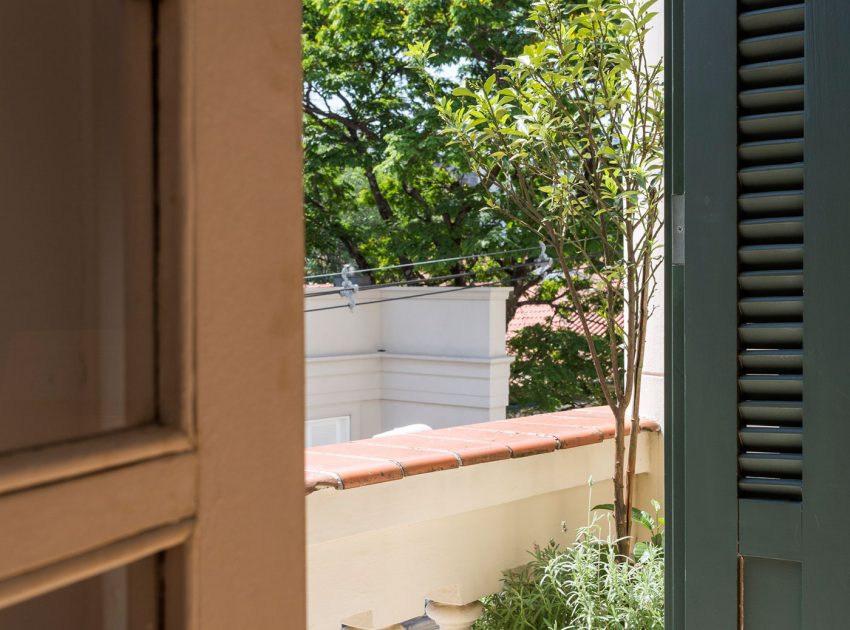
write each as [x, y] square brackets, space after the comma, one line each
[621, 511]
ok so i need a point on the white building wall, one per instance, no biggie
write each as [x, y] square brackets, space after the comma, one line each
[652, 387]
[437, 358]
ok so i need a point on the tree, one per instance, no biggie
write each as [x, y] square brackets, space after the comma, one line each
[551, 370]
[568, 141]
[381, 186]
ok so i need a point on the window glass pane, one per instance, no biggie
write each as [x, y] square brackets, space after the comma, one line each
[77, 219]
[122, 599]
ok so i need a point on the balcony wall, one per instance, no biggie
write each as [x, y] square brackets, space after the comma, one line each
[393, 522]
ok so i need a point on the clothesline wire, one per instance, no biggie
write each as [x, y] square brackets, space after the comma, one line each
[445, 260]
[408, 297]
[401, 283]
[424, 262]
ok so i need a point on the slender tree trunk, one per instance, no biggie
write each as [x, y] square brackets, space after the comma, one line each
[621, 513]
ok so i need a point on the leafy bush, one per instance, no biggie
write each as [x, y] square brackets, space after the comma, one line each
[552, 370]
[585, 587]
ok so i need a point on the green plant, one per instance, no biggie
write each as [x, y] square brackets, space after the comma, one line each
[654, 525]
[380, 185]
[551, 370]
[588, 586]
[568, 141]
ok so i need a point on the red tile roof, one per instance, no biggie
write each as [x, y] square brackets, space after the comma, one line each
[365, 462]
[545, 315]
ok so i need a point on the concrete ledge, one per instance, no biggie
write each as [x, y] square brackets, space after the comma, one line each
[366, 462]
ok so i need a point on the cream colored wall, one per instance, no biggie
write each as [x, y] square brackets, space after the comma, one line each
[437, 359]
[376, 553]
[652, 387]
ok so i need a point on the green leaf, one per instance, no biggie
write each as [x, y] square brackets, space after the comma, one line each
[462, 91]
[642, 551]
[489, 83]
[641, 517]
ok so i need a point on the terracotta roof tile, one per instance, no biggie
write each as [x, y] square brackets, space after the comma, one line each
[365, 462]
[467, 451]
[351, 471]
[412, 461]
[545, 315]
[518, 444]
[565, 434]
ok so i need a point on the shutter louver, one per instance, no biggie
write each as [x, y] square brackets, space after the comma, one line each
[770, 252]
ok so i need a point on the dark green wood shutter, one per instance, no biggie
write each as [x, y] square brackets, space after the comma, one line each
[770, 250]
[758, 313]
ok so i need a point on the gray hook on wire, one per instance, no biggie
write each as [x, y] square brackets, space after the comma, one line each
[543, 262]
[349, 288]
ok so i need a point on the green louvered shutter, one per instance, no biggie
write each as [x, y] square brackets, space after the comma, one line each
[759, 313]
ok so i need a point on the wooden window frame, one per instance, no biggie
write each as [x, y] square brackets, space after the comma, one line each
[217, 483]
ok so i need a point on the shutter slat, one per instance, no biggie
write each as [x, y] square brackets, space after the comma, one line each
[777, 202]
[771, 439]
[771, 386]
[773, 229]
[774, 308]
[771, 361]
[772, 177]
[771, 464]
[772, 151]
[776, 282]
[752, 5]
[772, 20]
[780, 255]
[788, 489]
[771, 335]
[771, 73]
[772, 412]
[769, 47]
[774, 125]
[772, 99]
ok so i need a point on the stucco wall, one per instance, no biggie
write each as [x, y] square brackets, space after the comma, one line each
[437, 358]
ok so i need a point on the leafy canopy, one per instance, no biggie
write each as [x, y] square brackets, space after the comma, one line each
[381, 186]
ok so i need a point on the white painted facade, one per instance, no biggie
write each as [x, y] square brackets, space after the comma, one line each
[652, 386]
[437, 359]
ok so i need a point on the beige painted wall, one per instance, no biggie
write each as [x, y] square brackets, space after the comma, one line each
[437, 359]
[376, 553]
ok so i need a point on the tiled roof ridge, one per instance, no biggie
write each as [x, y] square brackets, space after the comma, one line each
[366, 462]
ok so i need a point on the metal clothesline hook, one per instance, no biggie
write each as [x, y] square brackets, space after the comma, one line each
[349, 288]
[543, 262]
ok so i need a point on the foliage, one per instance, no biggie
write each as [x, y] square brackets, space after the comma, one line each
[653, 524]
[585, 587]
[568, 141]
[381, 186]
[551, 370]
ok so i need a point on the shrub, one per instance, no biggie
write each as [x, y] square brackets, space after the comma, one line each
[551, 370]
[585, 587]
